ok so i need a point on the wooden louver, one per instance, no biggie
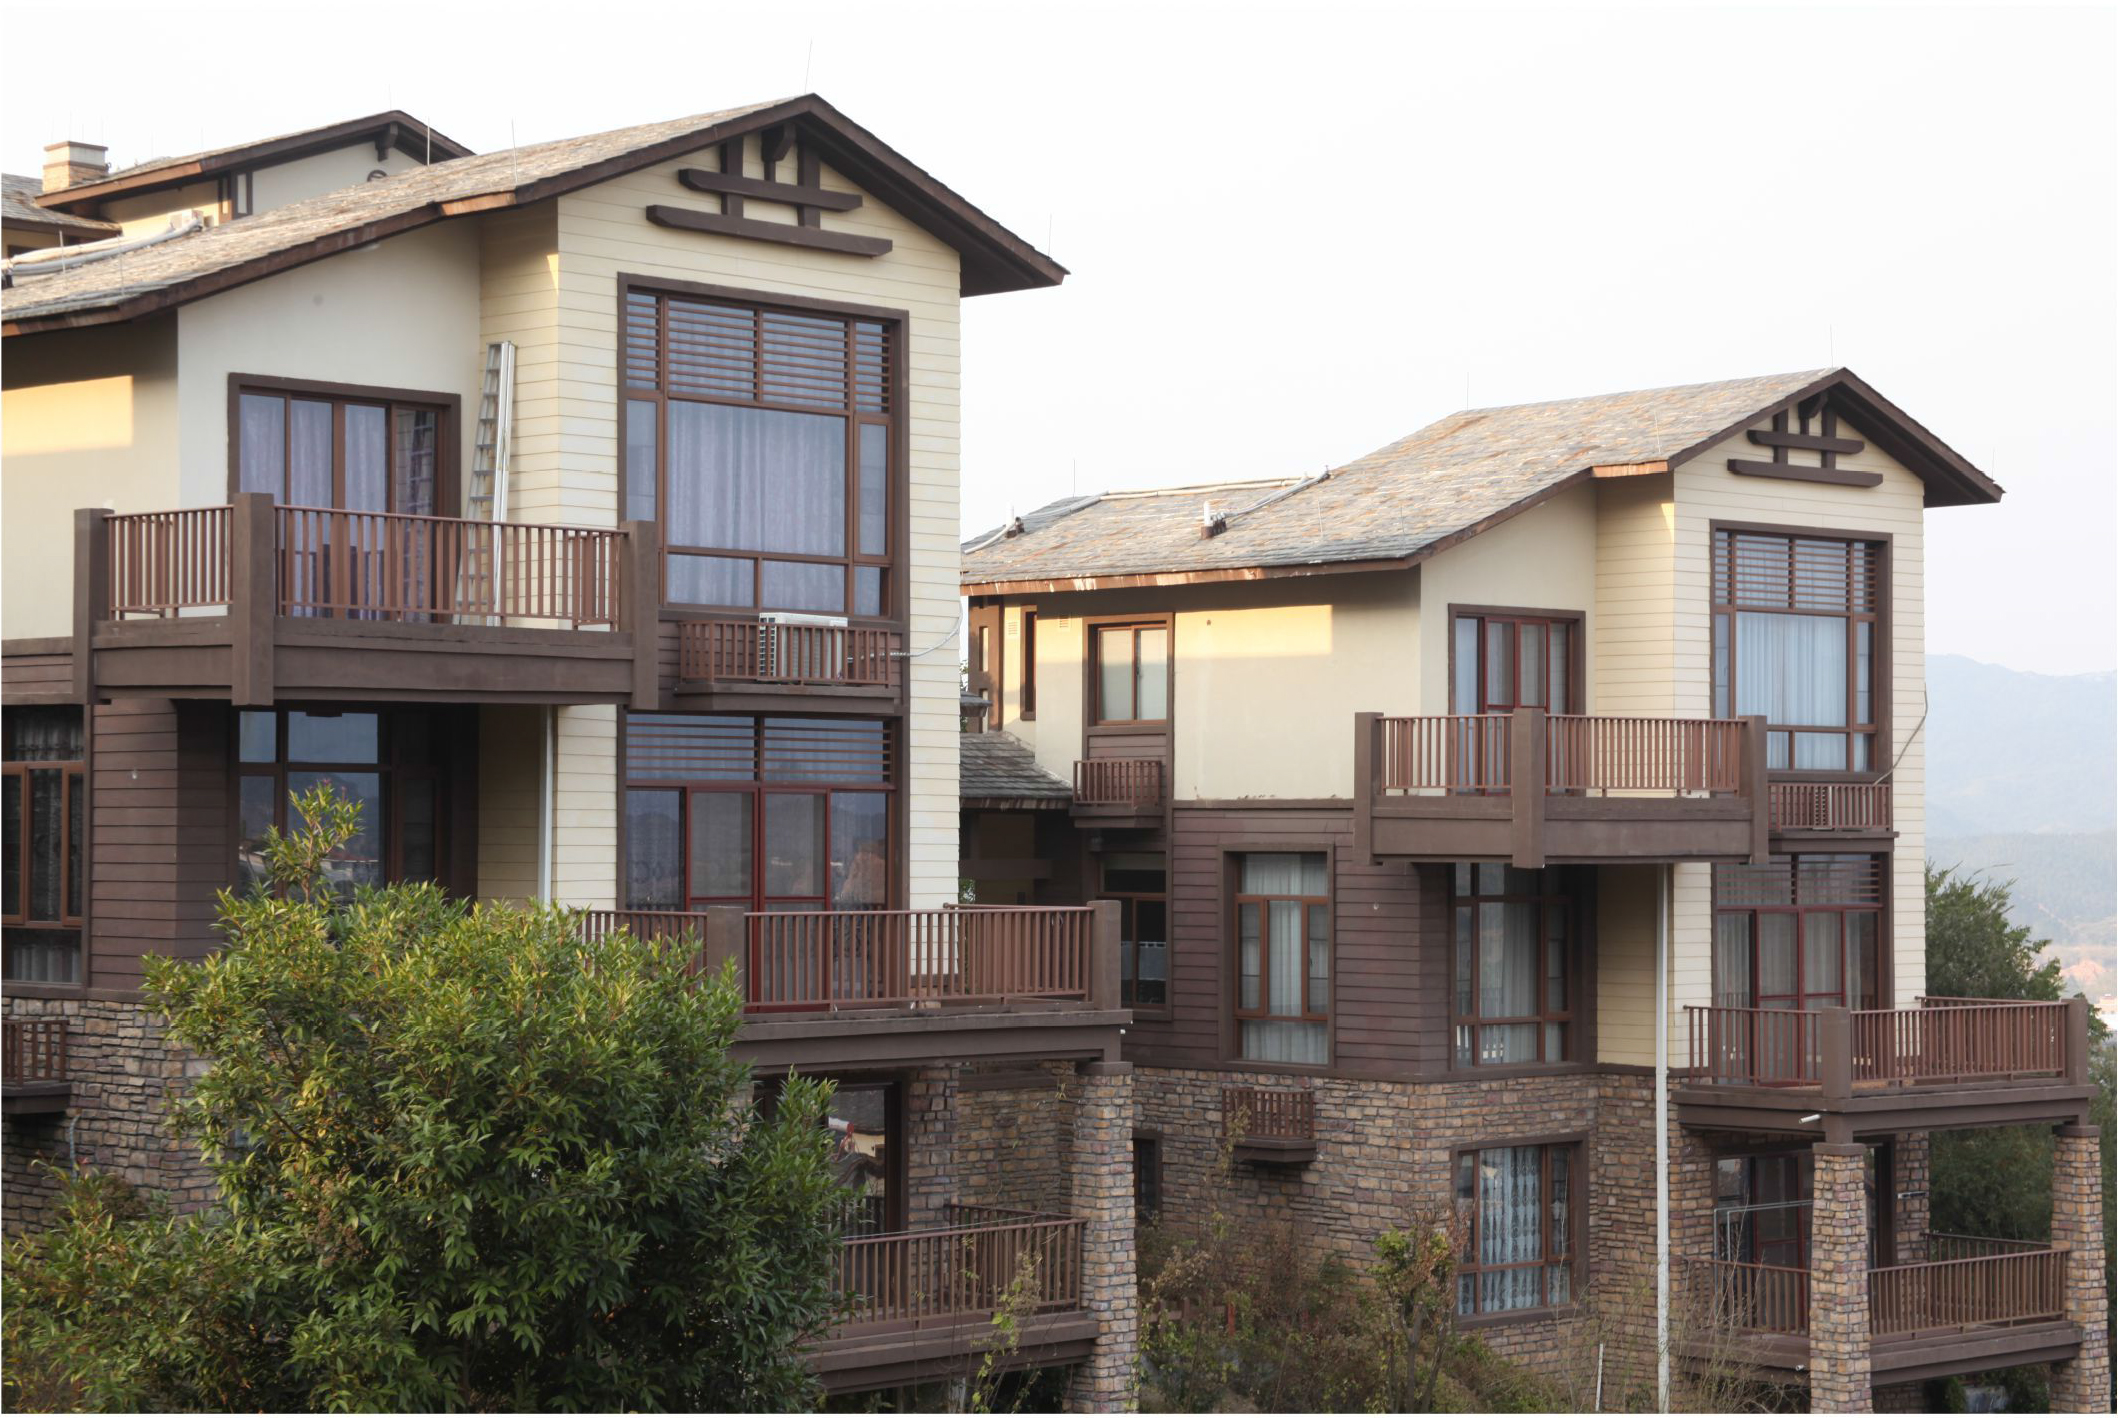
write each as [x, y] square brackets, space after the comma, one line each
[706, 349]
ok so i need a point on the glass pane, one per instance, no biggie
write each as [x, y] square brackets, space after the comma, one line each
[1115, 674]
[1777, 959]
[1793, 668]
[1488, 878]
[76, 837]
[257, 804]
[1320, 962]
[1282, 874]
[257, 734]
[721, 845]
[1557, 675]
[1154, 674]
[309, 453]
[756, 479]
[368, 459]
[1509, 1043]
[1722, 665]
[1730, 970]
[1823, 974]
[654, 850]
[418, 838]
[1556, 958]
[359, 860]
[1556, 1043]
[803, 586]
[1859, 760]
[333, 738]
[43, 957]
[1531, 664]
[868, 590]
[1283, 1041]
[861, 874]
[1862, 671]
[708, 580]
[1151, 954]
[47, 847]
[414, 487]
[262, 451]
[1247, 955]
[1135, 871]
[1465, 668]
[1862, 959]
[1464, 960]
[1821, 751]
[40, 734]
[1499, 663]
[640, 460]
[873, 507]
[794, 844]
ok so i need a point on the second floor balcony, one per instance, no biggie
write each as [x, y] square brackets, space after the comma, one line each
[1531, 789]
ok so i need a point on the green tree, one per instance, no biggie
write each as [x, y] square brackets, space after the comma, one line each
[466, 1161]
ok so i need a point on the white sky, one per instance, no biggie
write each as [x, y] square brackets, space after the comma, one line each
[1297, 234]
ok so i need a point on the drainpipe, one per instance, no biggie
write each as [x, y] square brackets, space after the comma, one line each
[544, 806]
[1663, 1139]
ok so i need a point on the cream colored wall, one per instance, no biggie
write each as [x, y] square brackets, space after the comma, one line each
[274, 186]
[510, 747]
[402, 313]
[88, 419]
[150, 211]
[1626, 964]
[19, 240]
[1009, 711]
[519, 301]
[1543, 559]
[1630, 656]
[602, 232]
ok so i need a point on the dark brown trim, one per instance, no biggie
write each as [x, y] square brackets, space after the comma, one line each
[1815, 442]
[722, 224]
[701, 179]
[1802, 473]
[447, 495]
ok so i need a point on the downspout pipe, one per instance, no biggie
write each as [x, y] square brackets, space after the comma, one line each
[1663, 1139]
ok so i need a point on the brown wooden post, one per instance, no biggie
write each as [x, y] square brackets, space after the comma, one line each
[1836, 1055]
[1527, 788]
[2077, 1042]
[253, 597]
[1104, 955]
[640, 602]
[1368, 779]
[724, 938]
[1752, 785]
[91, 594]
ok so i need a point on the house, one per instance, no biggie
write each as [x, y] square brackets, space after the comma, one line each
[586, 512]
[1471, 804]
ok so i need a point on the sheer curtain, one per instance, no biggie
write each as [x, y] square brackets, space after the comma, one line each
[756, 479]
[1287, 950]
[1509, 980]
[1510, 1230]
[1794, 670]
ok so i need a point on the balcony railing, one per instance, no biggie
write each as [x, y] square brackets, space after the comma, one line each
[1269, 1114]
[816, 961]
[1831, 807]
[962, 1273]
[33, 1051]
[1743, 1295]
[1840, 1052]
[1967, 1283]
[1119, 782]
[1475, 753]
[165, 563]
[749, 650]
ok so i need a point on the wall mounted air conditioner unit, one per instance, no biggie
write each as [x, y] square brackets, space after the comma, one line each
[777, 655]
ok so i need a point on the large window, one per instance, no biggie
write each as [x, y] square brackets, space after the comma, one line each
[774, 813]
[1799, 933]
[1796, 641]
[44, 812]
[1500, 662]
[363, 453]
[764, 441]
[1132, 674]
[388, 764]
[1516, 1209]
[1513, 1002]
[1284, 957]
[1140, 883]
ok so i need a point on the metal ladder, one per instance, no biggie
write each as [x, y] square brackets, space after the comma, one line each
[487, 500]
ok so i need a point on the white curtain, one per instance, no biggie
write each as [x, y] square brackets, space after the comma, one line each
[1509, 980]
[756, 479]
[1793, 668]
[1510, 1233]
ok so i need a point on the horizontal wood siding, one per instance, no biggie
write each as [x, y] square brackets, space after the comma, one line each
[38, 679]
[159, 828]
[1129, 743]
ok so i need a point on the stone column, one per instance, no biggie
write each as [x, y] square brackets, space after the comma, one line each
[930, 1146]
[1840, 1281]
[1910, 1198]
[2083, 1384]
[1103, 1186]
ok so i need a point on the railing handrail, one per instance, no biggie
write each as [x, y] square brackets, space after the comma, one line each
[752, 649]
[1284, 1114]
[33, 1050]
[1584, 753]
[947, 1272]
[1103, 781]
[571, 527]
[1934, 1042]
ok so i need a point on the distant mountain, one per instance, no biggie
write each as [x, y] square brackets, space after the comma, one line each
[2016, 752]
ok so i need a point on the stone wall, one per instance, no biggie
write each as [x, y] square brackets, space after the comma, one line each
[1015, 1136]
[1840, 1291]
[2085, 1383]
[123, 1072]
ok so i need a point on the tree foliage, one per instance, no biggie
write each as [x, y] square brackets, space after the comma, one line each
[466, 1161]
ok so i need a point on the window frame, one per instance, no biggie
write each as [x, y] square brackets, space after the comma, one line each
[1576, 621]
[448, 433]
[391, 771]
[1577, 1229]
[1233, 898]
[1129, 902]
[894, 561]
[73, 805]
[1575, 972]
[1880, 617]
[1093, 681]
[1881, 908]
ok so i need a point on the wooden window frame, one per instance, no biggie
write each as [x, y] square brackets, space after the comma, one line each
[1576, 621]
[1095, 633]
[392, 774]
[1879, 728]
[1881, 909]
[1236, 899]
[448, 407]
[1573, 974]
[1577, 1231]
[15, 778]
[894, 562]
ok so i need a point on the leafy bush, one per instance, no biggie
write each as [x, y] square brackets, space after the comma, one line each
[466, 1161]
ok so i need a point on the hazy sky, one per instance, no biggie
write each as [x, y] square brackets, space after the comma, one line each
[1297, 234]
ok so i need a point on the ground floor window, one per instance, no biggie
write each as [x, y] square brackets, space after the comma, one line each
[1803, 932]
[1140, 883]
[1516, 1209]
[776, 813]
[1284, 957]
[1512, 1002]
[44, 824]
[1148, 1178]
[388, 763]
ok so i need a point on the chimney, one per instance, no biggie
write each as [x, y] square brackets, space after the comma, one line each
[69, 164]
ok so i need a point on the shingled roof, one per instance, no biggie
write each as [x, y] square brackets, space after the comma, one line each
[995, 768]
[156, 277]
[19, 211]
[1426, 492]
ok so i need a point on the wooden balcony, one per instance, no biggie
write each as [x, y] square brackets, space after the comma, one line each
[1277, 1126]
[884, 988]
[751, 652]
[255, 603]
[1119, 792]
[1971, 1303]
[33, 1075]
[1846, 809]
[923, 1298]
[1530, 789]
[1843, 1074]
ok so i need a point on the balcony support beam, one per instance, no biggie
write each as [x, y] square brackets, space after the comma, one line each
[1527, 788]
[91, 594]
[253, 599]
[640, 602]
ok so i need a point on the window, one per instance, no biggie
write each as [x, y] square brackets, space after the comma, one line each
[1516, 1208]
[1504, 662]
[1148, 1178]
[374, 453]
[1515, 953]
[1800, 933]
[386, 763]
[1139, 882]
[1027, 697]
[764, 813]
[1284, 957]
[764, 438]
[1132, 674]
[1796, 640]
[1762, 1209]
[44, 812]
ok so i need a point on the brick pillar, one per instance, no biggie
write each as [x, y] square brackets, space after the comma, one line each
[930, 1146]
[1104, 1198]
[1840, 1281]
[2083, 1384]
[1910, 1199]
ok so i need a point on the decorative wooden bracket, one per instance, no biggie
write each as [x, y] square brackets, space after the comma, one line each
[701, 180]
[807, 195]
[685, 219]
[1826, 442]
